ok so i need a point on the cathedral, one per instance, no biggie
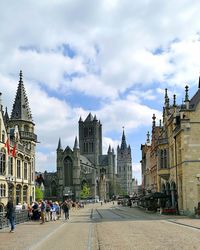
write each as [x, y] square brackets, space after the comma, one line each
[86, 164]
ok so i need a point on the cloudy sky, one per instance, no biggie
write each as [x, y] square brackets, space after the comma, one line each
[111, 58]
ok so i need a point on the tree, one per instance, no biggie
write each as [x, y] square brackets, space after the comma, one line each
[85, 192]
[38, 193]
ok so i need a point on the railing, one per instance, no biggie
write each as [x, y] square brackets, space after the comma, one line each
[20, 217]
[28, 136]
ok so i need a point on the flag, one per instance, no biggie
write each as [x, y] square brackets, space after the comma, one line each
[14, 150]
[7, 145]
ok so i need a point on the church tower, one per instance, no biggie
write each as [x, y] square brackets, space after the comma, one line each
[90, 138]
[124, 166]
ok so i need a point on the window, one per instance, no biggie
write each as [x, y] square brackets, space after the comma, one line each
[25, 189]
[90, 131]
[3, 136]
[2, 162]
[2, 190]
[68, 174]
[85, 132]
[18, 194]
[18, 169]
[25, 170]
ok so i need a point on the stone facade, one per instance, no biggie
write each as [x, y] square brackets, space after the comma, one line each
[84, 164]
[171, 162]
[17, 151]
[124, 167]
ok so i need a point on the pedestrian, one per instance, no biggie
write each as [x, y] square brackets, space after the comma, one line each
[10, 214]
[65, 208]
[42, 211]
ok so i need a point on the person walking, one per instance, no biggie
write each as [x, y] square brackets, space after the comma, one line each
[10, 214]
[65, 208]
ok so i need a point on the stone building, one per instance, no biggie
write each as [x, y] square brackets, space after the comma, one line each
[174, 154]
[17, 151]
[83, 164]
[124, 166]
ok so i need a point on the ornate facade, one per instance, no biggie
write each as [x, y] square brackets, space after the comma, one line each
[17, 151]
[85, 163]
[171, 162]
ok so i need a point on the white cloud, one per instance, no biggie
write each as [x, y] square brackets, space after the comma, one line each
[124, 55]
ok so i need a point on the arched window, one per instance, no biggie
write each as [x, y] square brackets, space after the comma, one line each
[2, 162]
[68, 174]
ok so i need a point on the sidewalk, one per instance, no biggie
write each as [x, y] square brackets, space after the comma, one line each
[27, 235]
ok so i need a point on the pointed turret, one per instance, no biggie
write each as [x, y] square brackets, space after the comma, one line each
[6, 117]
[76, 143]
[89, 118]
[154, 121]
[59, 145]
[109, 149]
[21, 110]
[123, 143]
[80, 119]
[95, 118]
[199, 83]
[148, 138]
[187, 101]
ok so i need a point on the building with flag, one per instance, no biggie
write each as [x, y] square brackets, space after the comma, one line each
[17, 151]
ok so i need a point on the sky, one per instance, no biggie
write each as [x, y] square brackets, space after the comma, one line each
[111, 58]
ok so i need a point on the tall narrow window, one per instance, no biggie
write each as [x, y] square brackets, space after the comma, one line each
[18, 194]
[2, 162]
[18, 169]
[68, 174]
[25, 170]
[25, 189]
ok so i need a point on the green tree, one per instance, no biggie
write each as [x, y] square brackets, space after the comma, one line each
[85, 192]
[38, 193]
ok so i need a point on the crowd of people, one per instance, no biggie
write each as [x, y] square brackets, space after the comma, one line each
[43, 210]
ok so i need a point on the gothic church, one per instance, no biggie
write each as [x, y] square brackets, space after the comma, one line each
[85, 163]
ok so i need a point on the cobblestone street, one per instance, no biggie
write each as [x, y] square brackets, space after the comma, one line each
[106, 227]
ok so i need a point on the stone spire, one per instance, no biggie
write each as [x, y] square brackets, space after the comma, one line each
[174, 102]
[109, 149]
[148, 138]
[21, 110]
[59, 145]
[199, 83]
[76, 143]
[186, 94]
[123, 143]
[154, 121]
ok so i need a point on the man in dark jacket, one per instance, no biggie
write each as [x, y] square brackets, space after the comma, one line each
[65, 208]
[11, 214]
